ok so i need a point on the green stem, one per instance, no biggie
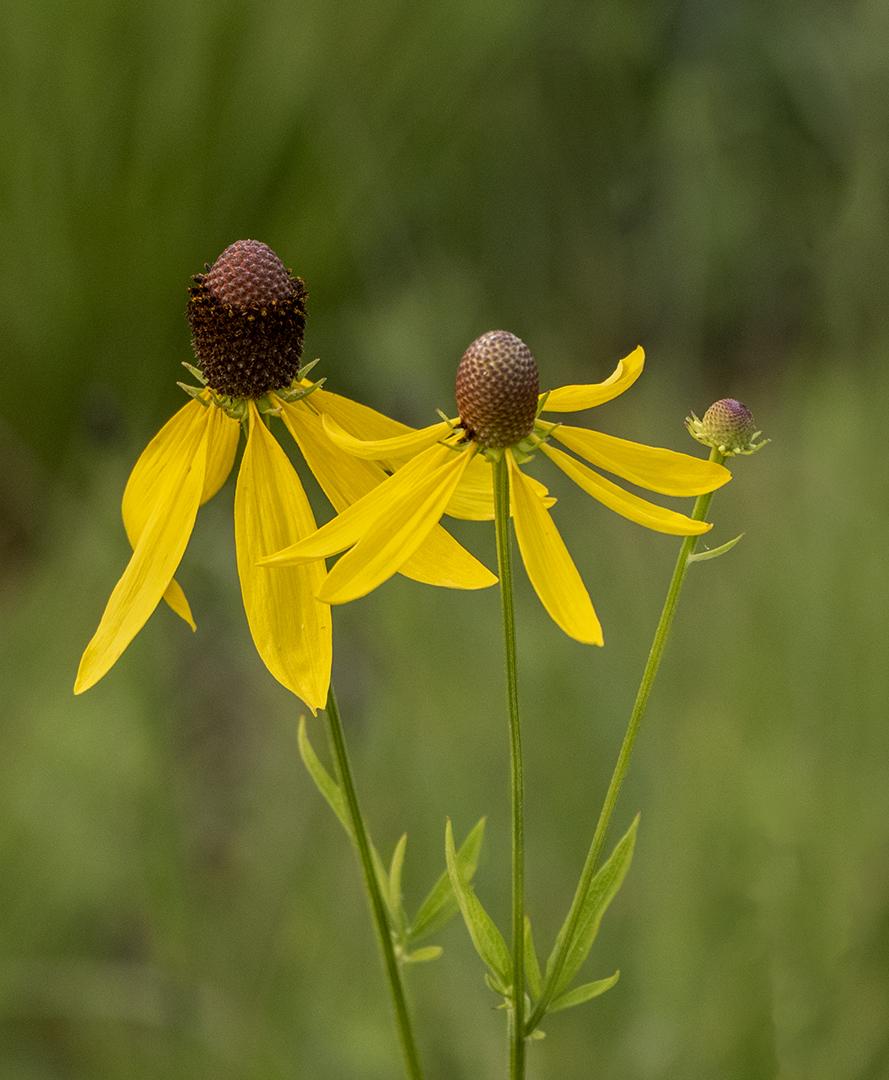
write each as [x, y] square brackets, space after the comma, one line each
[504, 565]
[665, 623]
[377, 906]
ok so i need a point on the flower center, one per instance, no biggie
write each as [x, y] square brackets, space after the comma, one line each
[247, 316]
[497, 390]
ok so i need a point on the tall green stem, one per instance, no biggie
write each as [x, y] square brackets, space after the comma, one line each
[377, 906]
[504, 565]
[655, 654]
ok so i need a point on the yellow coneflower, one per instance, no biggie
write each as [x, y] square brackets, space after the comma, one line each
[500, 413]
[247, 317]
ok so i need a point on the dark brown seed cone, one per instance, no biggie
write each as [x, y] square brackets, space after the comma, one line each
[248, 317]
[497, 389]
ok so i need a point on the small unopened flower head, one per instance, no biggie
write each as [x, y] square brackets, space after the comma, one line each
[247, 316]
[728, 426]
[497, 390]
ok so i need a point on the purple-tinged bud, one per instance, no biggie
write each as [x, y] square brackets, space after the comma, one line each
[497, 390]
[728, 426]
[247, 316]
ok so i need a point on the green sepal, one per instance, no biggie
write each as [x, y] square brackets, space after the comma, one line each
[324, 782]
[424, 955]
[714, 553]
[196, 392]
[532, 964]
[440, 904]
[306, 368]
[393, 889]
[593, 905]
[486, 938]
[585, 992]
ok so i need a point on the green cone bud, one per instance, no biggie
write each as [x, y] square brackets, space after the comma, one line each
[497, 390]
[247, 316]
[728, 426]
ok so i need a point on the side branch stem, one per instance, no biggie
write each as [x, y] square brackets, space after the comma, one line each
[412, 1066]
[504, 565]
[656, 652]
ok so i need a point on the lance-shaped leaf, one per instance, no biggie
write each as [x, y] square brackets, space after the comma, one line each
[440, 904]
[424, 955]
[714, 553]
[486, 938]
[396, 904]
[585, 992]
[336, 800]
[591, 907]
[324, 782]
[532, 964]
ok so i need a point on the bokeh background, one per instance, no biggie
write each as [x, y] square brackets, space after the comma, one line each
[709, 180]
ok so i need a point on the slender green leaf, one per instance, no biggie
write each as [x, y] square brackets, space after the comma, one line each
[396, 904]
[382, 877]
[593, 906]
[486, 938]
[498, 988]
[424, 955]
[440, 904]
[583, 993]
[324, 782]
[714, 553]
[532, 964]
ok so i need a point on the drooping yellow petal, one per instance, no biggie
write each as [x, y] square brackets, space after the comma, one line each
[159, 548]
[665, 471]
[291, 628]
[474, 498]
[396, 534]
[439, 560]
[142, 489]
[359, 420]
[575, 398]
[344, 479]
[222, 445]
[550, 567]
[382, 449]
[623, 502]
[356, 520]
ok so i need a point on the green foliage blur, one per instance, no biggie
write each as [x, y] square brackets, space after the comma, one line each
[707, 179]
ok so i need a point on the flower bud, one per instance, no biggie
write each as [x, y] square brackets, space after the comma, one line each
[247, 316]
[728, 426]
[497, 390]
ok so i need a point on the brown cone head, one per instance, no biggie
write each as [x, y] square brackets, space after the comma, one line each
[248, 317]
[497, 390]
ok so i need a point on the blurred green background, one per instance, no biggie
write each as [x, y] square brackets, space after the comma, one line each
[708, 180]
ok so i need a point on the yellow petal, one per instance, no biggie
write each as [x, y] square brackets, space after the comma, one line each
[222, 445]
[356, 520]
[622, 502]
[359, 420]
[290, 628]
[380, 449]
[551, 569]
[141, 492]
[575, 398]
[474, 498]
[344, 479]
[158, 551]
[397, 533]
[652, 467]
[439, 560]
